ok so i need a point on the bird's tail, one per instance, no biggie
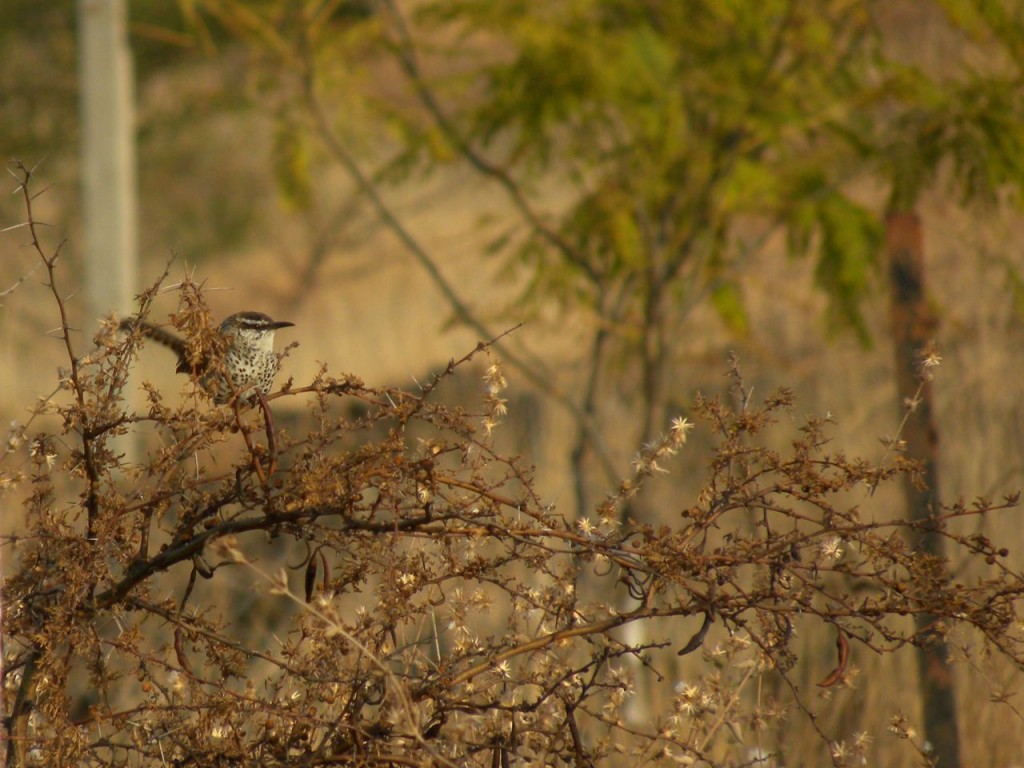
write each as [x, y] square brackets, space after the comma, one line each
[157, 334]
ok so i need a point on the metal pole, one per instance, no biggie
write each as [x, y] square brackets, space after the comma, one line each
[108, 156]
[109, 212]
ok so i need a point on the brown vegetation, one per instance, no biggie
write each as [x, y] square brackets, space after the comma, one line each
[422, 605]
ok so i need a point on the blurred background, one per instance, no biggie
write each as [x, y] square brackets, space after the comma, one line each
[645, 186]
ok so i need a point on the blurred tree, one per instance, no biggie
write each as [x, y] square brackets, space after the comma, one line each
[686, 135]
[957, 117]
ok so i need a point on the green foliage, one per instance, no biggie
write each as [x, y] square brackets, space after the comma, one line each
[727, 299]
[671, 124]
[847, 238]
[683, 117]
[850, 238]
[988, 20]
[972, 125]
[677, 121]
[918, 121]
[291, 165]
[673, 121]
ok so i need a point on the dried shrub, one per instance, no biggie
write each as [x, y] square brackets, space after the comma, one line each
[384, 588]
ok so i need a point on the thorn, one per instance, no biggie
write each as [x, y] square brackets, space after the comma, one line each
[41, 191]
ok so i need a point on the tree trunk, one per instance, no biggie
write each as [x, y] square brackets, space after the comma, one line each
[913, 324]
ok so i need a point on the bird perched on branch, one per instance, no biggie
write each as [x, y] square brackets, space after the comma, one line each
[241, 360]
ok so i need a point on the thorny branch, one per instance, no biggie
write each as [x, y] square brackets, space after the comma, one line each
[447, 615]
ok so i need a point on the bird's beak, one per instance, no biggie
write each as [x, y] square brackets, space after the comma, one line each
[280, 324]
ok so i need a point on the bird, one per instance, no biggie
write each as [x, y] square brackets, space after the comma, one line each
[242, 362]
